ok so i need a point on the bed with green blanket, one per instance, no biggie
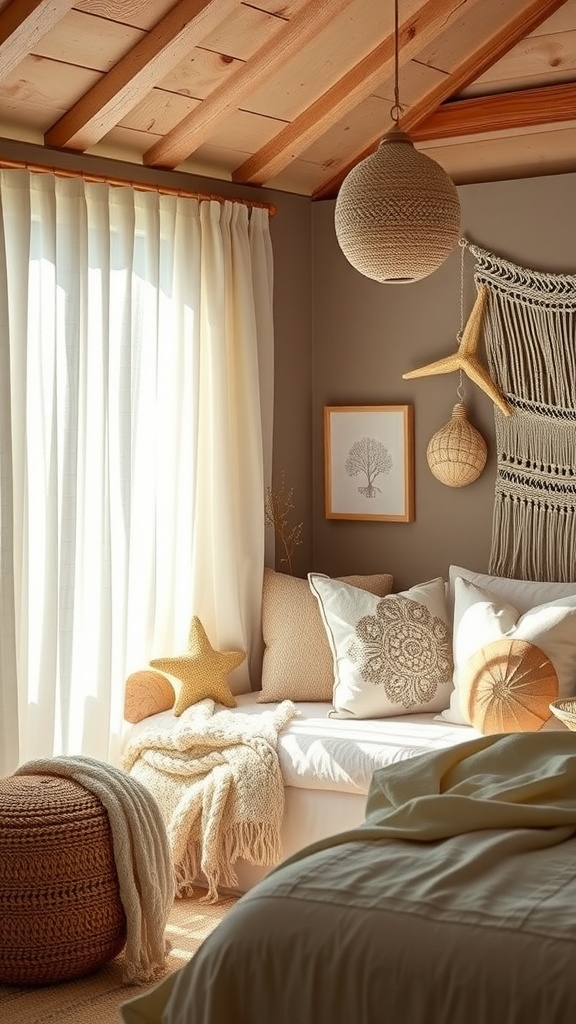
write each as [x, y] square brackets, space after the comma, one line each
[454, 903]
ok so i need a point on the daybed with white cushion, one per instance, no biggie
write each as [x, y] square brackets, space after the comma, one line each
[325, 640]
[327, 765]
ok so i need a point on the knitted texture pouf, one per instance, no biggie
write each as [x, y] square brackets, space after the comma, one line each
[60, 910]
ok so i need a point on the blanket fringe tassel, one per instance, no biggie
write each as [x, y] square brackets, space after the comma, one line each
[255, 842]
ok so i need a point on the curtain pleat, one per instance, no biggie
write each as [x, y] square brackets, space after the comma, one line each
[8, 674]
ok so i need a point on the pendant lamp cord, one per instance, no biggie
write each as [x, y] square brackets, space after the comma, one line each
[396, 109]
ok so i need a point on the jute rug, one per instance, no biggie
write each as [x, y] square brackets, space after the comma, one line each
[95, 999]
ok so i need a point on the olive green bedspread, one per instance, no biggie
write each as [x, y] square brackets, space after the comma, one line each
[454, 902]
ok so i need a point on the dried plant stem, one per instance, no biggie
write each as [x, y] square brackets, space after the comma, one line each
[277, 510]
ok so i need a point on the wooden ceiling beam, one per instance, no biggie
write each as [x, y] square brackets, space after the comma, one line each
[22, 24]
[135, 74]
[480, 115]
[200, 123]
[359, 83]
[470, 68]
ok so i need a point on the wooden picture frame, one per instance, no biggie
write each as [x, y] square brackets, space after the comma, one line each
[369, 462]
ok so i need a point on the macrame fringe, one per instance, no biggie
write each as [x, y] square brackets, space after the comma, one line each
[530, 339]
[532, 540]
[531, 351]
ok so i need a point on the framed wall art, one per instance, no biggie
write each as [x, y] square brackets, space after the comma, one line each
[369, 462]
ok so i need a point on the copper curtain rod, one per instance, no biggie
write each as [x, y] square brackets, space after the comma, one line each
[140, 186]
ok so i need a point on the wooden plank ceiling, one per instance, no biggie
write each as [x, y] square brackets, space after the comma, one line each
[292, 93]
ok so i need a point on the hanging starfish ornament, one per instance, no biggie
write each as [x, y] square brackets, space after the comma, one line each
[465, 358]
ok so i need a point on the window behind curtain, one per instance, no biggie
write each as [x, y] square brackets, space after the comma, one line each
[136, 326]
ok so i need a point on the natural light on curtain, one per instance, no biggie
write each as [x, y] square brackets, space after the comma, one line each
[135, 368]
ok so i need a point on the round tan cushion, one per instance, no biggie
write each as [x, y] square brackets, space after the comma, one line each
[507, 686]
[146, 693]
[60, 909]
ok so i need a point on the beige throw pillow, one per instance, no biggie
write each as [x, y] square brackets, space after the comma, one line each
[297, 662]
[392, 655]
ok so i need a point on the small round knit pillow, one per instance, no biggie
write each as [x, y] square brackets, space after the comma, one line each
[60, 909]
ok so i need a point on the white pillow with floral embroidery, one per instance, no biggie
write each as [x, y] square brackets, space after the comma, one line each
[392, 655]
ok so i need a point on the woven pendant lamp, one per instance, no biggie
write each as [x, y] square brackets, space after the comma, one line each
[457, 452]
[397, 214]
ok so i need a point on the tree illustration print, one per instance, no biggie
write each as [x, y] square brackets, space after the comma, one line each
[370, 458]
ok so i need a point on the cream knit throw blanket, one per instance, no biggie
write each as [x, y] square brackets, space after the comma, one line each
[141, 855]
[218, 783]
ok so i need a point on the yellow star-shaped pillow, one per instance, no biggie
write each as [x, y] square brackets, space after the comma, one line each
[202, 672]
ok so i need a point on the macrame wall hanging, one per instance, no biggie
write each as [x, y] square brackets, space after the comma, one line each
[529, 330]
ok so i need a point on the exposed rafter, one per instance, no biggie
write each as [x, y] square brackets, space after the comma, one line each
[351, 89]
[472, 66]
[291, 94]
[194, 129]
[507, 112]
[134, 75]
[22, 24]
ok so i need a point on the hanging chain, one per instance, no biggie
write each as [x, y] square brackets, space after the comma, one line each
[396, 110]
[460, 388]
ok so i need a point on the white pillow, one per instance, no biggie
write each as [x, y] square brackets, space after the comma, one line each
[481, 619]
[523, 594]
[392, 655]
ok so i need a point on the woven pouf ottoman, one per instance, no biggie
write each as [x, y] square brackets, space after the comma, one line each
[60, 910]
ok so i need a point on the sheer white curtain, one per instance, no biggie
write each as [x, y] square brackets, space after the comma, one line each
[135, 424]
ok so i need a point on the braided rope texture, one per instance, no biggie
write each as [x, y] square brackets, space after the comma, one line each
[533, 287]
[60, 909]
[397, 213]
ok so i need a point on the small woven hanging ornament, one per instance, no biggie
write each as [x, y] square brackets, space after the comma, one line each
[457, 452]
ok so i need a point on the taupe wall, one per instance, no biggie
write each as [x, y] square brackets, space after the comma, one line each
[365, 335]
